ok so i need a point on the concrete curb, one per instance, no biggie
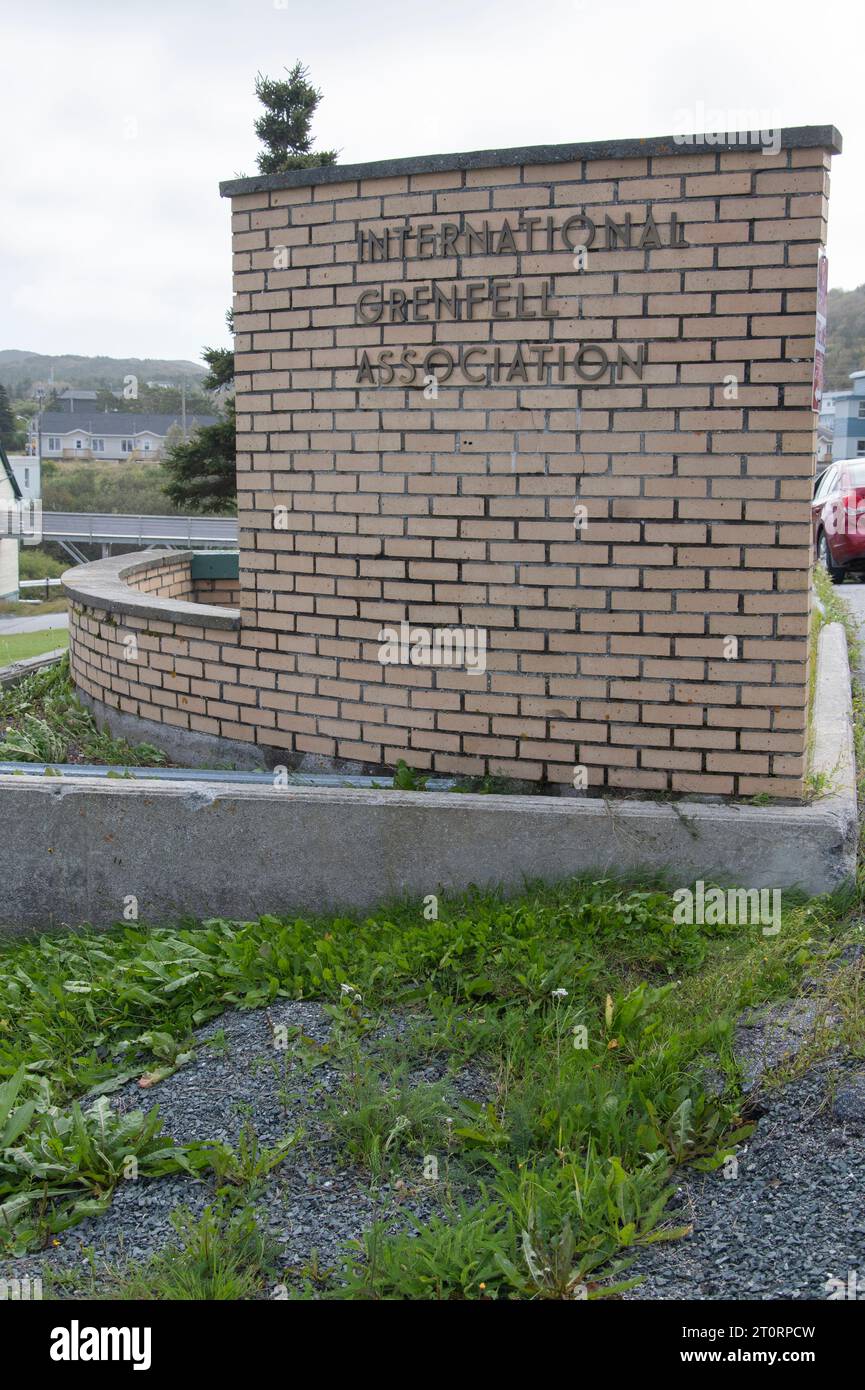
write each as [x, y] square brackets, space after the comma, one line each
[74, 852]
[833, 755]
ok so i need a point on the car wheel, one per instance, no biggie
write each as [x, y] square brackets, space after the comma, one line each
[836, 572]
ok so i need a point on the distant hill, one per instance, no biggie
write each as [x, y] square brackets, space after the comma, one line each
[19, 370]
[845, 340]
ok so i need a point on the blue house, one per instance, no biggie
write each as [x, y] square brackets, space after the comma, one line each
[848, 441]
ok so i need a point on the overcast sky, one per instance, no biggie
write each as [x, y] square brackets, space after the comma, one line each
[119, 120]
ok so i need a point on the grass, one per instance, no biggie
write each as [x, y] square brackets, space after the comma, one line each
[16, 646]
[380, 1114]
[592, 1017]
[42, 720]
[837, 610]
[221, 1256]
[11, 608]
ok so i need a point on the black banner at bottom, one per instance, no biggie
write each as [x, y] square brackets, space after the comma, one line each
[82, 1339]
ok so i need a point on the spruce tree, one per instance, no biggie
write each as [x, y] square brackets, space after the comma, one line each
[284, 129]
[8, 432]
[202, 470]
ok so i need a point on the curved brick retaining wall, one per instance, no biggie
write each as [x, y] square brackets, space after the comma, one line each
[146, 640]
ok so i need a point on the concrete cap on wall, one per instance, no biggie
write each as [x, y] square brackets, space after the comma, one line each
[104, 584]
[790, 137]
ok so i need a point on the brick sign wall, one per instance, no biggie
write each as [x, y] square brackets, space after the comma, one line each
[557, 404]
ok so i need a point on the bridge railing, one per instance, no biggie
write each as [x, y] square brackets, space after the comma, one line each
[98, 528]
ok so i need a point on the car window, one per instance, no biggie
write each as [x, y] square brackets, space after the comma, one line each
[824, 483]
[856, 475]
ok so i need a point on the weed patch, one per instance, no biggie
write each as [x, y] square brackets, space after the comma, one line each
[43, 721]
[592, 1017]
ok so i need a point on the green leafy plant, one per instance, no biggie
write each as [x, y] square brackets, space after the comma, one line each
[408, 779]
[62, 1166]
[34, 741]
[47, 723]
[378, 1119]
[453, 1258]
[14, 1120]
[246, 1165]
[575, 1220]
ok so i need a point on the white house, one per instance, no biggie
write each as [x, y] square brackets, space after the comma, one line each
[9, 495]
[112, 435]
[826, 419]
[28, 474]
[824, 448]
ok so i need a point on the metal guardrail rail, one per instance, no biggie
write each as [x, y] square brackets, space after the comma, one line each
[105, 528]
[46, 584]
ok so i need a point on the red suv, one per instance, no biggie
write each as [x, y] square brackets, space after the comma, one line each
[838, 518]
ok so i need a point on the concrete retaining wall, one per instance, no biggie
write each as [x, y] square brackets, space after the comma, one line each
[76, 851]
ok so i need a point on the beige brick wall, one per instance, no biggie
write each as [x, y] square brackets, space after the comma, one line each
[218, 591]
[662, 647]
[178, 673]
[165, 579]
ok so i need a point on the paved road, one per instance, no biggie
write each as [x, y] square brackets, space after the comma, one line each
[38, 623]
[143, 530]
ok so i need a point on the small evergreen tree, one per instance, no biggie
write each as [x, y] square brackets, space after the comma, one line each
[289, 106]
[202, 469]
[8, 432]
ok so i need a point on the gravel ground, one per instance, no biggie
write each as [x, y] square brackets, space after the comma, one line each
[789, 1216]
[313, 1202]
[791, 1219]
